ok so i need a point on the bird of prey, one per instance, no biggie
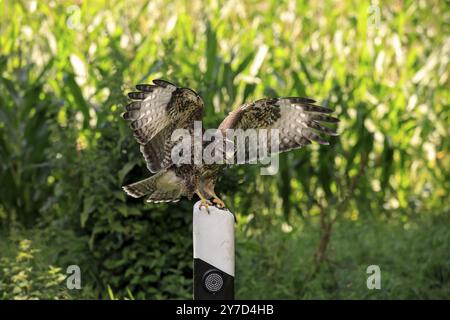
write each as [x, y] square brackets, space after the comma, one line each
[157, 110]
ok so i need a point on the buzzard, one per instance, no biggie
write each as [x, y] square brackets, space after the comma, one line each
[157, 110]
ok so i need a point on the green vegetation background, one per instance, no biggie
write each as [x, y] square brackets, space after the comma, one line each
[377, 195]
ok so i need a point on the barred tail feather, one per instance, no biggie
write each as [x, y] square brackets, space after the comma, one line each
[141, 188]
[165, 186]
[164, 196]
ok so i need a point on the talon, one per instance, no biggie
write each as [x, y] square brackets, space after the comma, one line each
[205, 203]
[220, 204]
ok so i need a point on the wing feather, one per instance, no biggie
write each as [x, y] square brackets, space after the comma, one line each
[298, 120]
[156, 110]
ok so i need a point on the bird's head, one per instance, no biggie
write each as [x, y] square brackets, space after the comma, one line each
[193, 96]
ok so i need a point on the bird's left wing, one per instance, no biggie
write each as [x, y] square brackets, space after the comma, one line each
[298, 120]
[155, 111]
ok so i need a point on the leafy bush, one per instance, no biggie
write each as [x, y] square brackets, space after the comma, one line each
[23, 278]
[144, 250]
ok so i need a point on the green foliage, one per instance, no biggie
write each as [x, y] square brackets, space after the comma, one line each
[24, 140]
[23, 278]
[414, 262]
[65, 152]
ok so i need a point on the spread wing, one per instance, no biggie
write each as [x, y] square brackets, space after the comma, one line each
[155, 111]
[298, 120]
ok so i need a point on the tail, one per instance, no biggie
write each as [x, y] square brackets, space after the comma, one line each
[141, 188]
[164, 196]
[162, 187]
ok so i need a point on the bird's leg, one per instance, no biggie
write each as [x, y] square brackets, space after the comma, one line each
[220, 204]
[209, 189]
[204, 202]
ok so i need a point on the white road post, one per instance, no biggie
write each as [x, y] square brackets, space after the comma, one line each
[213, 235]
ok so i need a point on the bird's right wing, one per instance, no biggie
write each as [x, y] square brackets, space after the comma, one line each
[155, 111]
